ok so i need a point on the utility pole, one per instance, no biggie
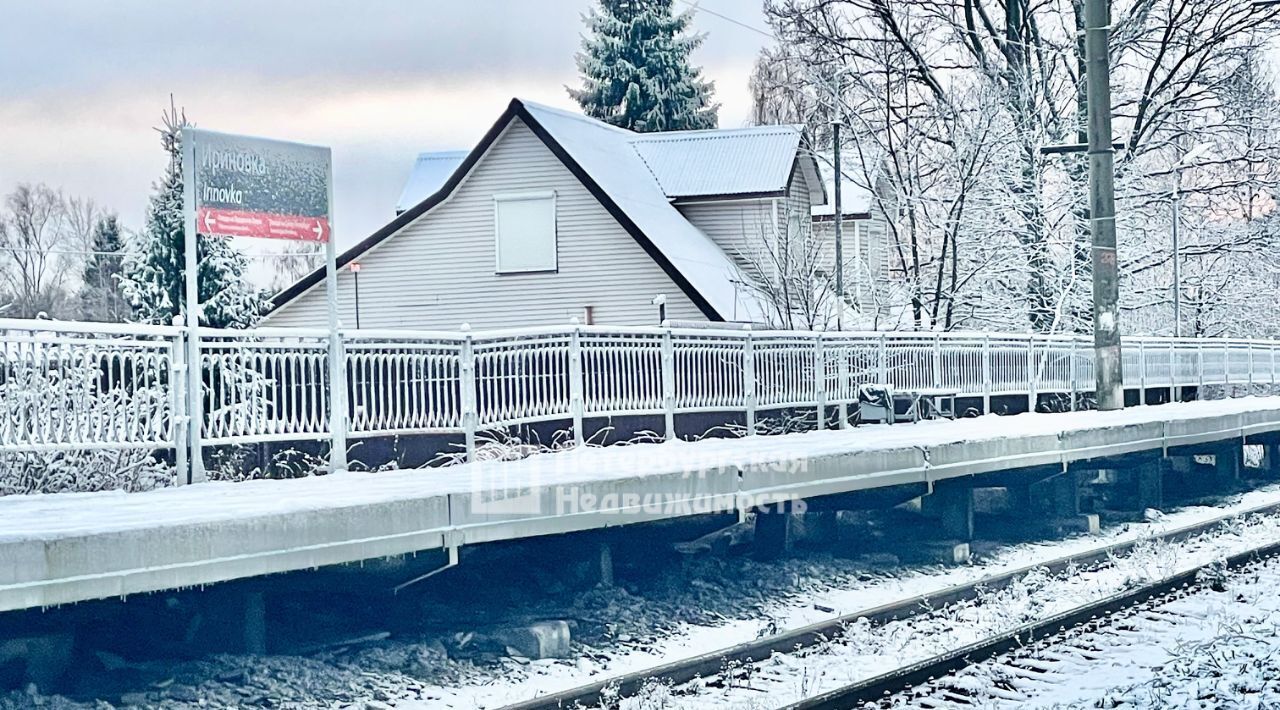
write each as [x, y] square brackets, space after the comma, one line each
[839, 217]
[1102, 208]
[1177, 253]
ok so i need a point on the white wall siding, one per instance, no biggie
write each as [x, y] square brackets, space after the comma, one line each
[742, 228]
[866, 268]
[438, 272]
[794, 213]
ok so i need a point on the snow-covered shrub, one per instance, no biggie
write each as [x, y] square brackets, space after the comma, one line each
[66, 403]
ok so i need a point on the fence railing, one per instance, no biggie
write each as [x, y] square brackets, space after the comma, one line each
[82, 386]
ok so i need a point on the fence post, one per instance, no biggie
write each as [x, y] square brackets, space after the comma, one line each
[179, 418]
[884, 361]
[576, 385]
[337, 401]
[749, 380]
[1032, 375]
[1142, 372]
[1248, 353]
[937, 360]
[820, 380]
[1072, 373]
[195, 407]
[1271, 347]
[668, 383]
[470, 410]
[986, 373]
[1227, 389]
[844, 388]
[1200, 368]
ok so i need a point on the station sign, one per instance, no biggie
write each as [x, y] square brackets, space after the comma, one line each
[260, 188]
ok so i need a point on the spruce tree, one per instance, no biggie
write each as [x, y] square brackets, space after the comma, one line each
[154, 269]
[100, 295]
[636, 72]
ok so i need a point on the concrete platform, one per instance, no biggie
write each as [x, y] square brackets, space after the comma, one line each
[58, 549]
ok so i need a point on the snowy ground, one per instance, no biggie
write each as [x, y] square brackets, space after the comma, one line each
[865, 652]
[517, 681]
[1212, 649]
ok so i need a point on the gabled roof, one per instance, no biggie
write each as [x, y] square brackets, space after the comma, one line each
[429, 172]
[604, 155]
[609, 164]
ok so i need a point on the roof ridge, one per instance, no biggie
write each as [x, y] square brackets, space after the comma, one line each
[701, 133]
[583, 118]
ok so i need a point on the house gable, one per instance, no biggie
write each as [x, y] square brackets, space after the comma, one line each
[439, 271]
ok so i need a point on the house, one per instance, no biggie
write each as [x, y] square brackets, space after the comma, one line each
[554, 215]
[864, 197]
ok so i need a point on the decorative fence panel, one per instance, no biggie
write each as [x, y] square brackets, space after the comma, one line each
[83, 386]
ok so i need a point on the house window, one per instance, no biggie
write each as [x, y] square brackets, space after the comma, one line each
[525, 224]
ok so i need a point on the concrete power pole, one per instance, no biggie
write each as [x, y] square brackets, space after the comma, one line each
[1102, 208]
[839, 224]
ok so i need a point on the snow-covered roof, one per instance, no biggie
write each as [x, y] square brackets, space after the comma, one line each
[733, 162]
[856, 197]
[429, 174]
[604, 152]
[637, 177]
[726, 162]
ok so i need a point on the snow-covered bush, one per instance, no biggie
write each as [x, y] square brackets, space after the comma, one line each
[73, 401]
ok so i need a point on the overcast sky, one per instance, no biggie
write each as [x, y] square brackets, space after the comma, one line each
[82, 83]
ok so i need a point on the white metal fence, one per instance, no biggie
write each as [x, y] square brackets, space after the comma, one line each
[82, 386]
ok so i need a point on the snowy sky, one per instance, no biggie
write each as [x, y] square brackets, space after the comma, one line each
[82, 82]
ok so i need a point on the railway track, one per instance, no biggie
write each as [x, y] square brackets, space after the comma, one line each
[885, 686]
[927, 684]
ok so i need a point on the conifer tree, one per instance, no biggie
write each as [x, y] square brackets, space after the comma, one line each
[636, 72]
[153, 278]
[100, 295]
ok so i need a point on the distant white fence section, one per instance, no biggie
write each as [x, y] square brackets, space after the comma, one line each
[70, 385]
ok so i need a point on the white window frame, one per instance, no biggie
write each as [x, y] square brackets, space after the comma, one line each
[498, 199]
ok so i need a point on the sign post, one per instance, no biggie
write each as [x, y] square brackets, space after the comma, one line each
[238, 186]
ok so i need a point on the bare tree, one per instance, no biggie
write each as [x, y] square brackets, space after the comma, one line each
[959, 98]
[35, 236]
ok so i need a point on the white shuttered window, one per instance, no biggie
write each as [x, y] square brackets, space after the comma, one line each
[525, 224]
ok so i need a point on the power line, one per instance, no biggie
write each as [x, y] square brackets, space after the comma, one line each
[695, 6]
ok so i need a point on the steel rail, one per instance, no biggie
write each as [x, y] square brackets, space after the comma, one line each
[882, 688]
[714, 662]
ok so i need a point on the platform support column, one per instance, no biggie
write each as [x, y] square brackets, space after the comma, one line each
[773, 531]
[952, 504]
[255, 623]
[1271, 460]
[1064, 494]
[1228, 460]
[605, 561]
[1150, 484]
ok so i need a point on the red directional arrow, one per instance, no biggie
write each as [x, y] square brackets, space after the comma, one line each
[262, 225]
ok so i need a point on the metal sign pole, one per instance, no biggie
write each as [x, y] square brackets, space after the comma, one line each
[337, 360]
[195, 379]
